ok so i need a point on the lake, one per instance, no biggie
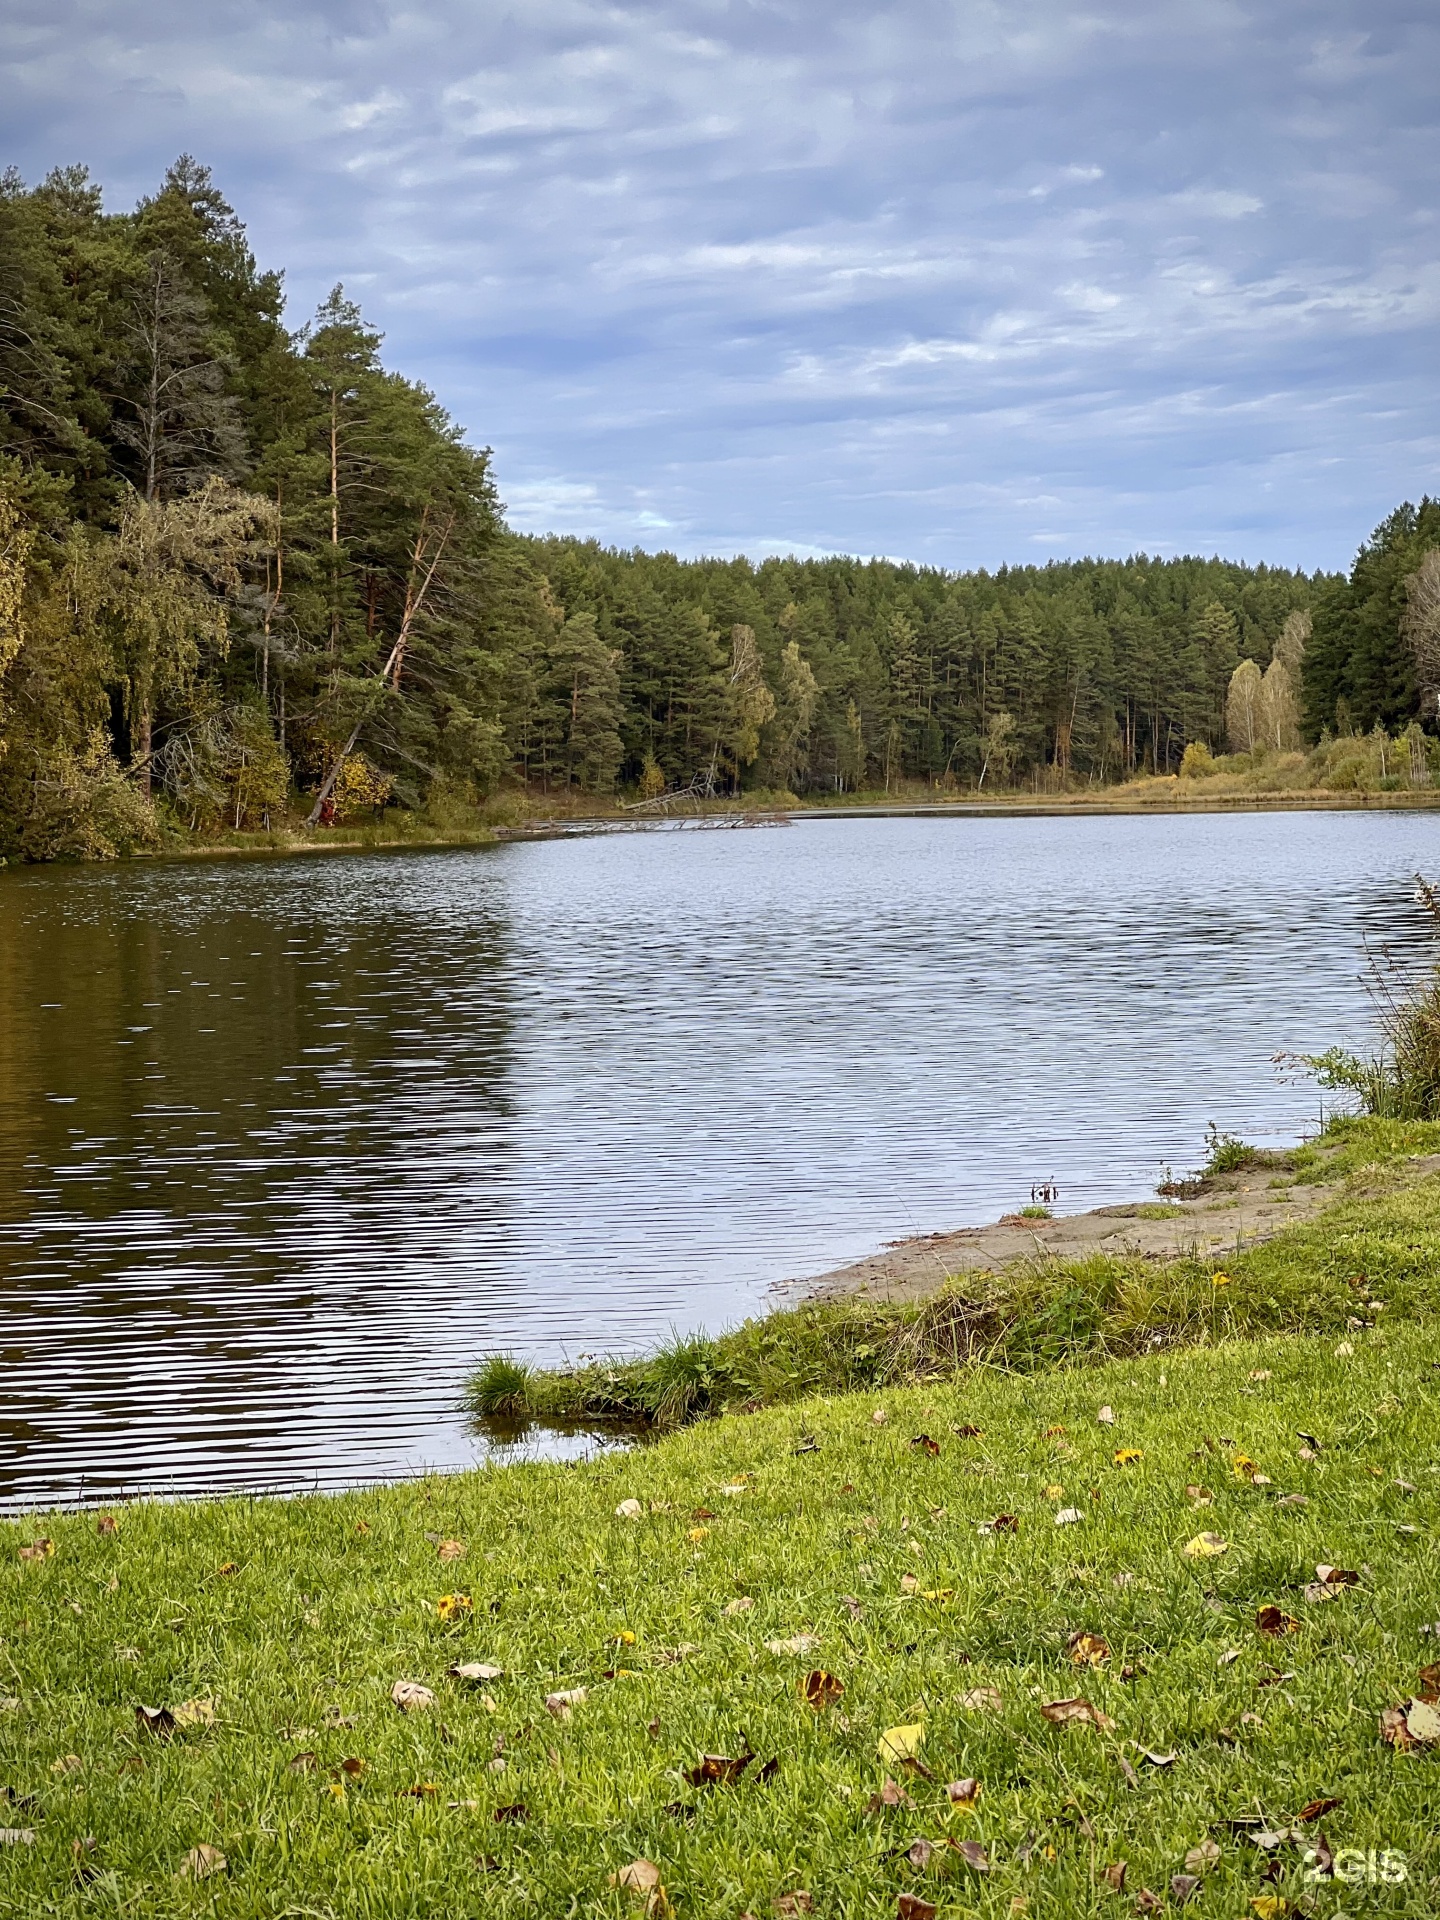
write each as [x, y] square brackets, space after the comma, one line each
[286, 1145]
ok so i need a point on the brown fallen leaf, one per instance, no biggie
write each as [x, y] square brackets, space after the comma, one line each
[1202, 1858]
[301, 1763]
[974, 1855]
[1148, 1902]
[718, 1769]
[107, 1523]
[820, 1689]
[891, 1794]
[800, 1902]
[39, 1550]
[733, 1607]
[157, 1720]
[1131, 1777]
[926, 1444]
[968, 1433]
[879, 1417]
[352, 1767]
[512, 1815]
[1416, 1724]
[908, 1906]
[908, 1584]
[1114, 1875]
[919, 1853]
[450, 1550]
[1002, 1523]
[230, 1567]
[1063, 1713]
[1088, 1649]
[1317, 1809]
[1199, 1496]
[963, 1793]
[422, 1790]
[203, 1862]
[410, 1697]
[562, 1705]
[1184, 1886]
[1272, 1620]
[1336, 1576]
[1430, 1683]
[981, 1700]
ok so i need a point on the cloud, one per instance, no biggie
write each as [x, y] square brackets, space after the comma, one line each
[925, 277]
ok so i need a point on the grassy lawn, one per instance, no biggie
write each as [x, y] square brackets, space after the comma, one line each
[809, 1539]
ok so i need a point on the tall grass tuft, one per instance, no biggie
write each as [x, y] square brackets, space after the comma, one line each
[1401, 1082]
[500, 1387]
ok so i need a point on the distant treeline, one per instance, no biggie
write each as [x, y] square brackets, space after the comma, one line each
[248, 573]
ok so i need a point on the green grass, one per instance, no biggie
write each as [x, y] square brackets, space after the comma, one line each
[1381, 1240]
[296, 1617]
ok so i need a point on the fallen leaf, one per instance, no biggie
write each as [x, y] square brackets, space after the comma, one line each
[1114, 1875]
[450, 1550]
[475, 1670]
[1106, 1416]
[926, 1444]
[974, 1855]
[157, 1720]
[629, 1510]
[718, 1769]
[1272, 1620]
[1184, 1886]
[1002, 1523]
[909, 1906]
[422, 1790]
[1336, 1576]
[1061, 1713]
[1430, 1682]
[901, 1743]
[194, 1713]
[1145, 1900]
[981, 1700]
[963, 1793]
[1054, 1492]
[797, 1643]
[352, 1767]
[1128, 1456]
[1293, 1500]
[561, 1705]
[67, 1763]
[1261, 1373]
[1202, 1858]
[820, 1689]
[1269, 1906]
[697, 1534]
[40, 1550]
[362, 1528]
[968, 1433]
[742, 1605]
[879, 1417]
[919, 1854]
[107, 1523]
[1205, 1546]
[1199, 1496]
[800, 1902]
[203, 1862]
[1317, 1809]
[1088, 1649]
[1131, 1777]
[301, 1763]
[1068, 1516]
[1153, 1759]
[410, 1697]
[891, 1794]
[512, 1815]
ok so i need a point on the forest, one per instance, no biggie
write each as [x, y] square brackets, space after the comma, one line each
[250, 576]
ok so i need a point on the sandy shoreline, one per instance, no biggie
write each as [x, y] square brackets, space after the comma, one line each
[1236, 1210]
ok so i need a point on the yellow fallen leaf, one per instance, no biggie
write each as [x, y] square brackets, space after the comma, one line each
[1205, 1546]
[901, 1743]
[1054, 1493]
[1127, 1456]
[454, 1606]
[697, 1534]
[194, 1713]
[1219, 1279]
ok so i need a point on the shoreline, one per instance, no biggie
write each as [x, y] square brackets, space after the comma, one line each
[1235, 1211]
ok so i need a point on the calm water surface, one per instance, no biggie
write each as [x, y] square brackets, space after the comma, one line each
[286, 1145]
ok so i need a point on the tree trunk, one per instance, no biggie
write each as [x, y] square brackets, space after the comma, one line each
[141, 753]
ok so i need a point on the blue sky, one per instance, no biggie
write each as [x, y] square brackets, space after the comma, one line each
[962, 283]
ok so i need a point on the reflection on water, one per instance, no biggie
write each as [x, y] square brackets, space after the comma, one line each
[285, 1145]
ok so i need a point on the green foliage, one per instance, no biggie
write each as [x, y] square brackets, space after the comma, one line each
[499, 1387]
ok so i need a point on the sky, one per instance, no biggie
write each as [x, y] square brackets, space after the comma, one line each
[962, 282]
